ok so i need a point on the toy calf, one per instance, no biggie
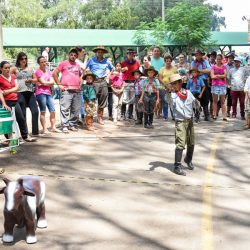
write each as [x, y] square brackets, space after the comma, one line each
[24, 199]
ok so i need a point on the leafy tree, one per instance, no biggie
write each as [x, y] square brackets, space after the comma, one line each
[23, 14]
[64, 14]
[192, 27]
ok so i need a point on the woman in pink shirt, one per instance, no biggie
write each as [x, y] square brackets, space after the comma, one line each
[43, 94]
[219, 88]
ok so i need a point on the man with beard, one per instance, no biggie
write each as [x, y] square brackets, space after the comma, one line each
[69, 86]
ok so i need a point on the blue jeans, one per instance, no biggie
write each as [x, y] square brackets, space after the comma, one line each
[82, 106]
[164, 103]
[45, 101]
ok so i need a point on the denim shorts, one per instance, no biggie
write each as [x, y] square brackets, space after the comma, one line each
[45, 101]
[219, 90]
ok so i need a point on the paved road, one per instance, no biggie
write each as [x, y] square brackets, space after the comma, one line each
[116, 190]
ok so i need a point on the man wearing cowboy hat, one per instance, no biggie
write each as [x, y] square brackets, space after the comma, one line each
[102, 68]
[204, 67]
[182, 103]
[129, 65]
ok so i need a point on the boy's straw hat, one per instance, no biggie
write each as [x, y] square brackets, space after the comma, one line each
[150, 69]
[174, 78]
[89, 73]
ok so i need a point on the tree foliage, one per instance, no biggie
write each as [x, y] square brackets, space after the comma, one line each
[92, 14]
[190, 27]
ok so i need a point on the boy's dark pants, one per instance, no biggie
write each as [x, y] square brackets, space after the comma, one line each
[138, 109]
[149, 102]
[205, 99]
[197, 112]
[184, 134]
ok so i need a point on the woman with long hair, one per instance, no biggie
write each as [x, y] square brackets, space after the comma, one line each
[219, 88]
[26, 98]
[9, 88]
[43, 95]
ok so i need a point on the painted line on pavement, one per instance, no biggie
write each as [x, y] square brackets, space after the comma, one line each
[207, 216]
[100, 179]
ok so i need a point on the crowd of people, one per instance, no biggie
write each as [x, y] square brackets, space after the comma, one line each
[132, 89]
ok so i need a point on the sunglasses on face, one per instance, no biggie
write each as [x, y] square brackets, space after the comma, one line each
[23, 58]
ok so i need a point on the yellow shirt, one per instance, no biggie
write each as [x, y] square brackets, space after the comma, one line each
[166, 73]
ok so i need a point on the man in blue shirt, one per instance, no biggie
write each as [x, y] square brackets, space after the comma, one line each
[204, 68]
[102, 68]
[156, 60]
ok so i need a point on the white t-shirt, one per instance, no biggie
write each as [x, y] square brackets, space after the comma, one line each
[45, 54]
[247, 85]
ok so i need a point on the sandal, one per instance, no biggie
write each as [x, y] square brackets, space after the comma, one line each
[55, 130]
[30, 139]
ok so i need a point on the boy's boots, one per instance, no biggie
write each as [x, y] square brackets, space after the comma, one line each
[177, 165]
[123, 111]
[206, 113]
[150, 120]
[189, 156]
[139, 118]
[228, 111]
[146, 120]
[100, 116]
[130, 111]
[89, 123]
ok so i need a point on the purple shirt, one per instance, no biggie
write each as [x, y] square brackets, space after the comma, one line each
[41, 89]
[219, 71]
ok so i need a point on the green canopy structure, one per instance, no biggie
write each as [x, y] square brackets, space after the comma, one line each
[112, 39]
[36, 37]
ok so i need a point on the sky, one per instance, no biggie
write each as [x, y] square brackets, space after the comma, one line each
[233, 11]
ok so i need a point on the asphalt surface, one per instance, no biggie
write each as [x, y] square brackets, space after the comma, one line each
[115, 188]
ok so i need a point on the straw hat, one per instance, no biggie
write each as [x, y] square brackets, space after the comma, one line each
[174, 78]
[150, 69]
[100, 47]
[89, 73]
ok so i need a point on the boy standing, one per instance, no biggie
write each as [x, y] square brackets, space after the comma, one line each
[197, 87]
[89, 96]
[138, 106]
[182, 103]
[150, 96]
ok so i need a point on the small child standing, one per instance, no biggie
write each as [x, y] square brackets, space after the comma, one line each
[89, 96]
[150, 95]
[196, 87]
[182, 103]
[138, 106]
[117, 86]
